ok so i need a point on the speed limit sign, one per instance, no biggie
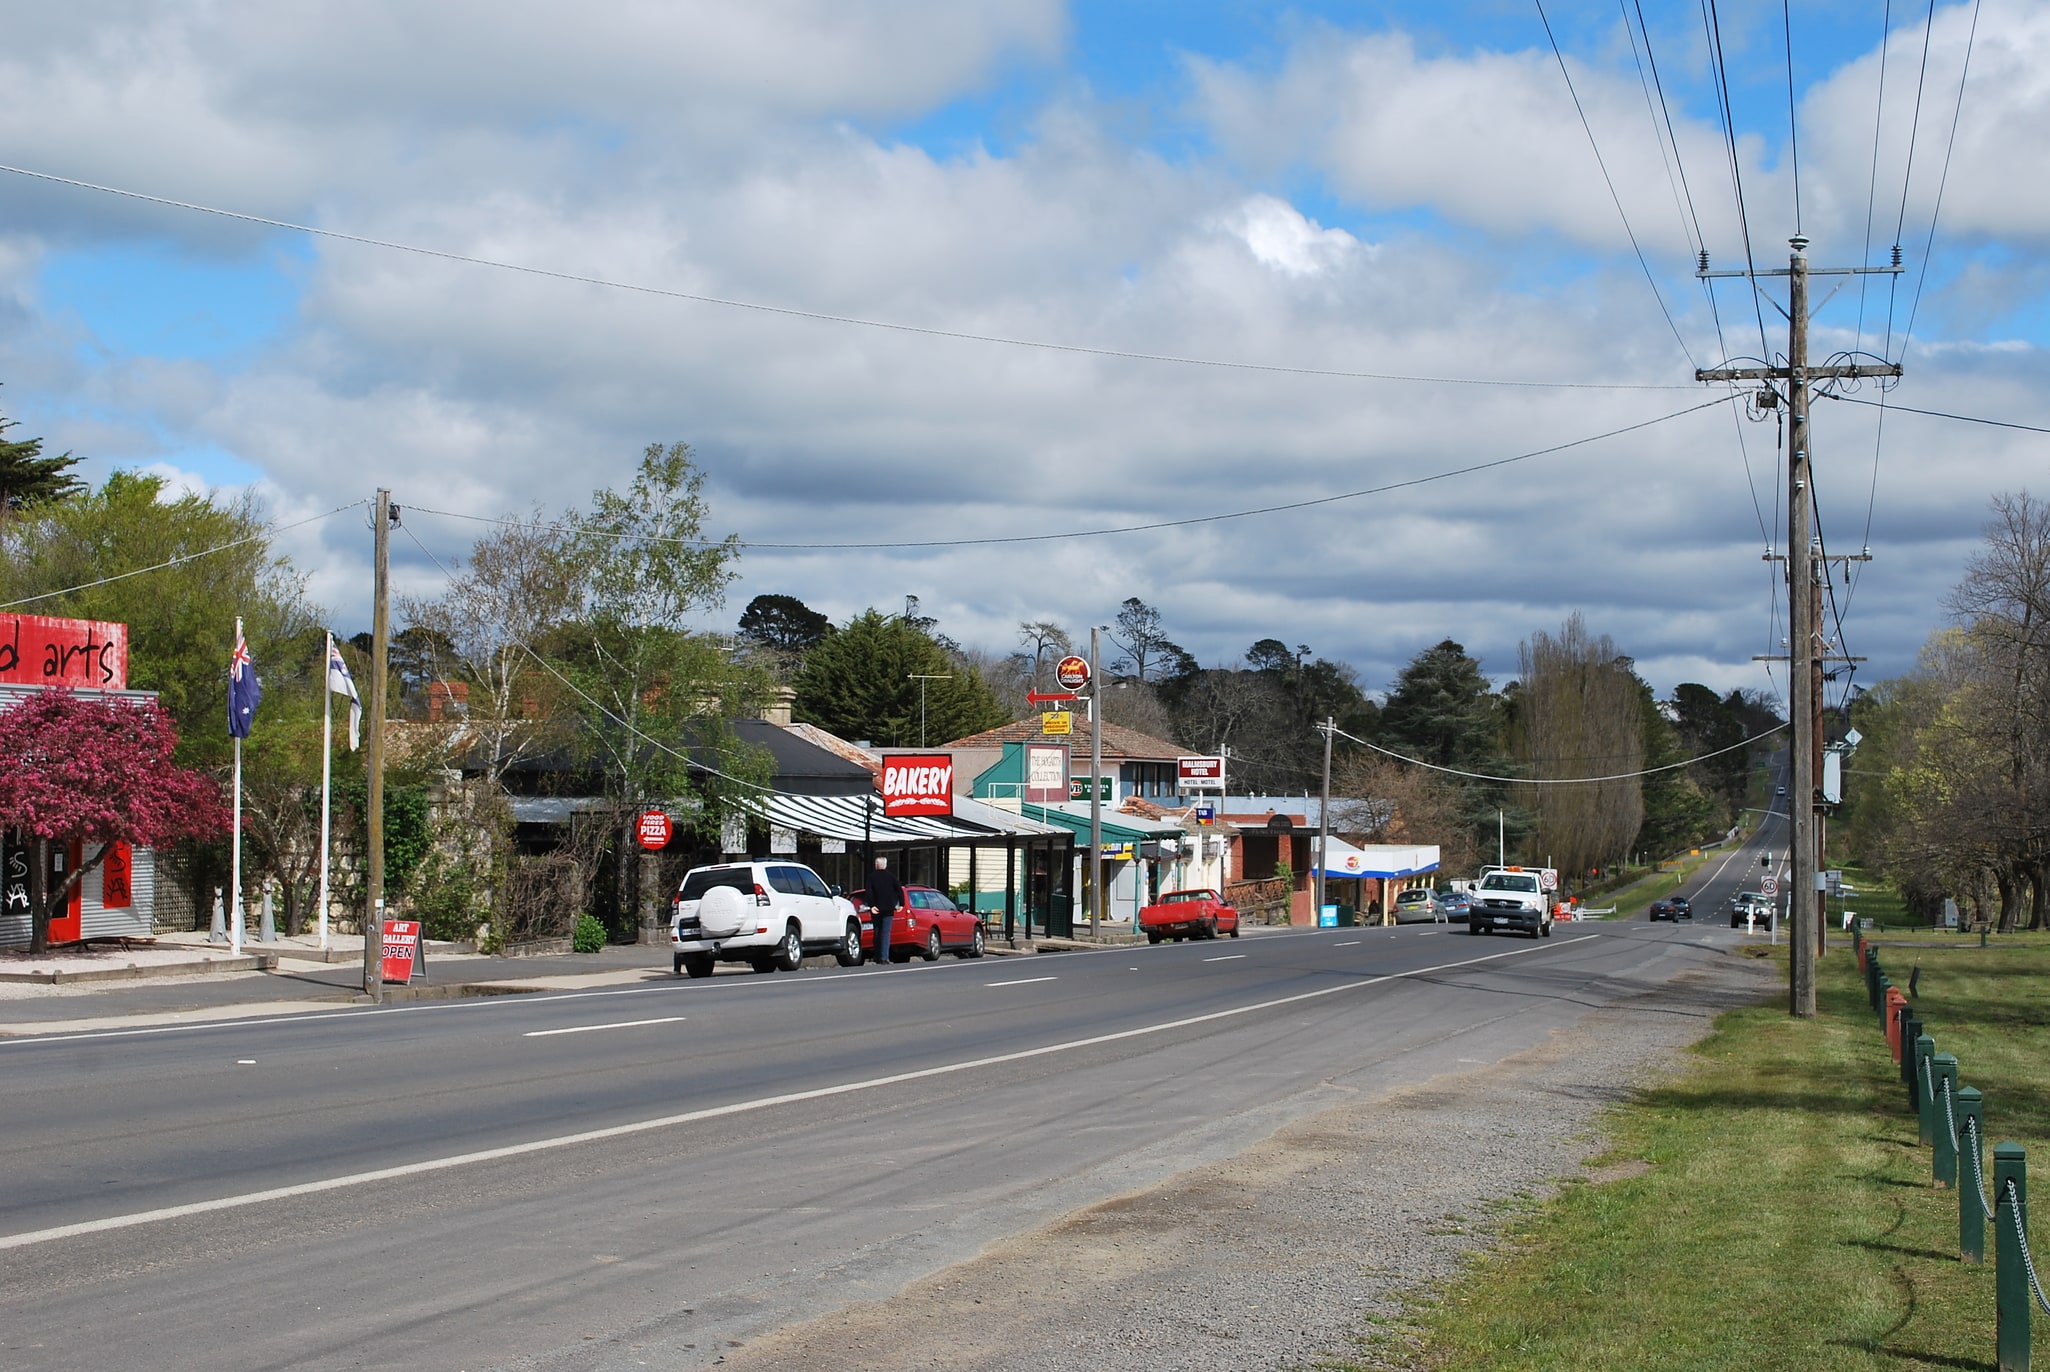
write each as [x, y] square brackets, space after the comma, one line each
[1770, 886]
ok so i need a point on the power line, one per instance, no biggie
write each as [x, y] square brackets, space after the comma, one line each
[1943, 179]
[1872, 183]
[1691, 222]
[1793, 123]
[1608, 181]
[1908, 175]
[1129, 528]
[1556, 781]
[269, 530]
[818, 316]
[1712, 22]
[1935, 414]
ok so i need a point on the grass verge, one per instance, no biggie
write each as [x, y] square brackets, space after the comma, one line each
[1768, 1207]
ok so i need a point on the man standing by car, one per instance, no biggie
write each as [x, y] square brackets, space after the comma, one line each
[885, 897]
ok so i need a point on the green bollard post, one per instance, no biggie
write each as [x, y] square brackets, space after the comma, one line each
[1885, 985]
[1942, 1087]
[1917, 1074]
[1874, 974]
[1971, 1218]
[2010, 1282]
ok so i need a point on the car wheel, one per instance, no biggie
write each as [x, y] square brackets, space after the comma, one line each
[1545, 929]
[676, 963]
[932, 945]
[1153, 936]
[695, 965]
[974, 948]
[1234, 931]
[762, 964]
[848, 953]
[790, 952]
[1474, 929]
[1209, 928]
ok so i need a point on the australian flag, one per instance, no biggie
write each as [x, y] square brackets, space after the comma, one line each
[245, 692]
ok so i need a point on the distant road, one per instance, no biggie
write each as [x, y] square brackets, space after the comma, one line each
[643, 1176]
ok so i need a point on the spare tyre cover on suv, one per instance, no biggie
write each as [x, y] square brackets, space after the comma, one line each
[722, 911]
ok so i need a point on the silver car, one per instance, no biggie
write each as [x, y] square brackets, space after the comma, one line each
[1420, 906]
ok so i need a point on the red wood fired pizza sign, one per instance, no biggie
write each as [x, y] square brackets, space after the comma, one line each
[82, 653]
[918, 784]
[653, 829]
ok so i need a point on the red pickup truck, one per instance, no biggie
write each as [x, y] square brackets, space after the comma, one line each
[1188, 914]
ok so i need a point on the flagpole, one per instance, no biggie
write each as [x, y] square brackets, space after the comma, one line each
[235, 859]
[327, 748]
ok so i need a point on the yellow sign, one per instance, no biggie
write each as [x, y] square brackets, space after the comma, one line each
[1056, 722]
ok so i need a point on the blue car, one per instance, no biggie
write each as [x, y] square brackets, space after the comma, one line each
[1457, 904]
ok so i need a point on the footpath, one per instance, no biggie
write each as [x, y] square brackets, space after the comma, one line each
[185, 978]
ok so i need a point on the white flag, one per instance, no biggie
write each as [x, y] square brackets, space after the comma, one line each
[341, 683]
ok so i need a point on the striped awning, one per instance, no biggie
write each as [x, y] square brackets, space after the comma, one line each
[854, 818]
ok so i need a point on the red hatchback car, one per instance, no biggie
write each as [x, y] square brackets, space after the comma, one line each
[1188, 914]
[930, 926]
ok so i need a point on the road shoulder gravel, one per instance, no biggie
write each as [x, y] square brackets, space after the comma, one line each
[1278, 1257]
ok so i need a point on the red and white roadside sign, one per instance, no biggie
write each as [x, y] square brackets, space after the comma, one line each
[402, 950]
[1072, 672]
[918, 784]
[1200, 773]
[653, 829]
[1769, 886]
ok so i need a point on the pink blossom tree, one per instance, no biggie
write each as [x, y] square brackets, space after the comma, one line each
[96, 769]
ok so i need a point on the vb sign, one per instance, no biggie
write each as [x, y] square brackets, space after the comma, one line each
[1072, 672]
[1200, 773]
[653, 830]
[918, 784]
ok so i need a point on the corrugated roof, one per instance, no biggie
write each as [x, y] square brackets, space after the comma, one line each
[1118, 741]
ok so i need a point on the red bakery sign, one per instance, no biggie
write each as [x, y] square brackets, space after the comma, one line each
[36, 650]
[918, 784]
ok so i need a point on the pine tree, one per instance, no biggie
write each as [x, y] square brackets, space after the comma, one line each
[28, 478]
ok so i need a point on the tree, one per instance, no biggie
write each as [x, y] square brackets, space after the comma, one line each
[515, 588]
[28, 478]
[70, 557]
[1043, 643]
[1392, 802]
[1149, 653]
[785, 627]
[860, 683]
[1442, 711]
[99, 771]
[1580, 716]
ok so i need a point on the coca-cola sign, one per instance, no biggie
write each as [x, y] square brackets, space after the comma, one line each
[918, 784]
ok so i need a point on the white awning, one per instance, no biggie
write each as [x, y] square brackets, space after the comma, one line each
[1386, 860]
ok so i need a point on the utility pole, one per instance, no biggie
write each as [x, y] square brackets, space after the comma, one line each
[385, 516]
[1095, 883]
[921, 678]
[1804, 604]
[1321, 859]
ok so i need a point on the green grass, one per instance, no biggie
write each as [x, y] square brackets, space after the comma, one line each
[1783, 1216]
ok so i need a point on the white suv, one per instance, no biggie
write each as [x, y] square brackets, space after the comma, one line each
[766, 914]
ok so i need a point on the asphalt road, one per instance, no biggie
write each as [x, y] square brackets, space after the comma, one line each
[650, 1176]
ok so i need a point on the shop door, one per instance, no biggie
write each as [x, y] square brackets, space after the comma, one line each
[67, 926]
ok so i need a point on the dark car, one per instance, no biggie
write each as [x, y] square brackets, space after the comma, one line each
[1665, 909]
[1680, 903]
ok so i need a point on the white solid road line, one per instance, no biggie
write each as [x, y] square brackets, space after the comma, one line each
[1228, 957]
[589, 1028]
[427, 1166]
[1026, 981]
[1349, 943]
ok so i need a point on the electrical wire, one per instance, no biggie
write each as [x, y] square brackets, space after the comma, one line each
[819, 316]
[1712, 22]
[1609, 181]
[1872, 183]
[1690, 223]
[1130, 528]
[1557, 781]
[1908, 175]
[1942, 180]
[1935, 414]
[1793, 123]
[269, 531]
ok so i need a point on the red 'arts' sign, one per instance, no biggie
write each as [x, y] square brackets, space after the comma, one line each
[86, 654]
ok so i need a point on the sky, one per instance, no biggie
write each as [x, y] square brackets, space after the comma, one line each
[928, 277]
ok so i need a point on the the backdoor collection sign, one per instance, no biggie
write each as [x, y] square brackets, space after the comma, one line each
[1200, 773]
[85, 654]
[918, 784]
[1046, 773]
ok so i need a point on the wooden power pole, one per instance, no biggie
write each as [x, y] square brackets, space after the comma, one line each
[373, 823]
[1806, 646]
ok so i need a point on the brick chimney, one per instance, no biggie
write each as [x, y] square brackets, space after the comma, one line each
[782, 701]
[447, 698]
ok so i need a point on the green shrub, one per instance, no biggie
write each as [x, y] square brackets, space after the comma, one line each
[589, 936]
